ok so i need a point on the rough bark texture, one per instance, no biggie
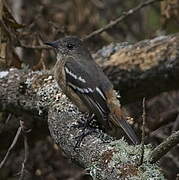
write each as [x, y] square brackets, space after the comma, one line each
[143, 69]
[104, 158]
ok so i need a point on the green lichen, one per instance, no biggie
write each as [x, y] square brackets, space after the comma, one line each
[128, 155]
[121, 160]
[93, 171]
[117, 154]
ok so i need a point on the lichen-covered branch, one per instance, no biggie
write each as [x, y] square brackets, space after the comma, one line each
[144, 69]
[102, 157]
[38, 94]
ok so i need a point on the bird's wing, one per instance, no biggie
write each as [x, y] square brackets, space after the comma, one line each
[87, 80]
[83, 82]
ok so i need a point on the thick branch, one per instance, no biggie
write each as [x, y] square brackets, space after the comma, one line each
[104, 158]
[144, 69]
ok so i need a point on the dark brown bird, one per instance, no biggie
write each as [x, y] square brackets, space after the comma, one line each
[84, 82]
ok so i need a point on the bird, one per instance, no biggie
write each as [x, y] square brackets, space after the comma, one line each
[86, 85]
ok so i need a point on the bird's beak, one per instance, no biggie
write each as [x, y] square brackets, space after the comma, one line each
[53, 44]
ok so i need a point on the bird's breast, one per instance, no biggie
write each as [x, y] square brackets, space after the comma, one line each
[60, 77]
[59, 74]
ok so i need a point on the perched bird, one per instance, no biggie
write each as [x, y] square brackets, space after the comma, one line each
[85, 84]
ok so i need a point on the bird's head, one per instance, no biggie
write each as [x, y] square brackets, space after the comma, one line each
[68, 46]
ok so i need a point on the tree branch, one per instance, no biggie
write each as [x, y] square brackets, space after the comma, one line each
[18, 133]
[164, 147]
[104, 158]
[144, 69]
[120, 18]
[152, 62]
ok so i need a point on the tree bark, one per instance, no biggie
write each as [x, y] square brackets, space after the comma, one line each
[146, 68]
[98, 153]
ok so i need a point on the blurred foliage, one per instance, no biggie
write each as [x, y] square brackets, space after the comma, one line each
[47, 20]
[170, 13]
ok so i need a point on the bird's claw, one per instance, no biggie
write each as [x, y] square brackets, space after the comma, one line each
[80, 138]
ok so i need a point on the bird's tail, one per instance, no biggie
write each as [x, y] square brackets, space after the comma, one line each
[117, 118]
[120, 121]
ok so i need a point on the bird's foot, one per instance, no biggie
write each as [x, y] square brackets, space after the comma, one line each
[84, 133]
[88, 125]
[87, 122]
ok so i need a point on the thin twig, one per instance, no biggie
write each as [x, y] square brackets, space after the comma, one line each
[26, 156]
[20, 44]
[6, 30]
[6, 121]
[94, 33]
[11, 147]
[120, 18]
[164, 147]
[8, 118]
[25, 130]
[143, 131]
[42, 56]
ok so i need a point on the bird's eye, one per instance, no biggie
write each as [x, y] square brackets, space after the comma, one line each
[70, 46]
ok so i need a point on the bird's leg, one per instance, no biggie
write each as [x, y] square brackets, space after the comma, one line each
[80, 138]
[85, 122]
[88, 125]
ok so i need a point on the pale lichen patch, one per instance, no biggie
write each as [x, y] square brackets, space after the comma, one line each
[3, 74]
[122, 158]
